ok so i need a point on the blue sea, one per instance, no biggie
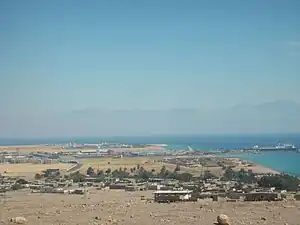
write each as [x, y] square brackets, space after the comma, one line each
[288, 162]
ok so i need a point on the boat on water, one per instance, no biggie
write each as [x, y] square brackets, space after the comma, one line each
[278, 147]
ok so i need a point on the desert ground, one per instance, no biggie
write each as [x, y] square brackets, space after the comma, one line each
[31, 148]
[29, 170]
[121, 207]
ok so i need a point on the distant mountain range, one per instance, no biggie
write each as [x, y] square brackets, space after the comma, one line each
[277, 116]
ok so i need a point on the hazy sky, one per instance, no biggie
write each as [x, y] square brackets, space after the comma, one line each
[59, 56]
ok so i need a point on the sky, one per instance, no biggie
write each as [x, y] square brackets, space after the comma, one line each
[62, 56]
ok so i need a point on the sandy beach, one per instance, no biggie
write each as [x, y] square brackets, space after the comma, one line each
[256, 168]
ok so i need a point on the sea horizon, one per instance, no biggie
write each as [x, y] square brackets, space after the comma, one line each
[213, 141]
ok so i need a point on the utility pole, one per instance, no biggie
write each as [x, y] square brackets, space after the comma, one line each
[85, 192]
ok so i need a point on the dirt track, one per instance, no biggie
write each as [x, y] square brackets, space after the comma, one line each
[120, 207]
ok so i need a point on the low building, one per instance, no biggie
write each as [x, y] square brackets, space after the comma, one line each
[205, 195]
[131, 188]
[234, 195]
[78, 191]
[46, 189]
[51, 172]
[118, 186]
[154, 186]
[297, 196]
[88, 151]
[262, 196]
[60, 191]
[173, 196]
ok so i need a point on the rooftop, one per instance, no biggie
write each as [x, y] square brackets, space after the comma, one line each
[173, 192]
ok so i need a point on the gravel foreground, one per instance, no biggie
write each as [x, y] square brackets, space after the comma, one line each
[121, 207]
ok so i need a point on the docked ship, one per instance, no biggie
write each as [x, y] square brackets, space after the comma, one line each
[278, 147]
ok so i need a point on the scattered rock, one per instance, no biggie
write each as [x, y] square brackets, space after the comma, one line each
[97, 218]
[263, 218]
[223, 219]
[112, 220]
[18, 220]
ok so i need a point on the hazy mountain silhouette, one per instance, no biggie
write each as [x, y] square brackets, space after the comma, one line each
[277, 116]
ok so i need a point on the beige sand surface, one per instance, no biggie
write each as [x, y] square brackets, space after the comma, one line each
[31, 148]
[257, 169]
[29, 170]
[127, 208]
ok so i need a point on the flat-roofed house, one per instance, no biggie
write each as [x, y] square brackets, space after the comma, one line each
[173, 196]
[88, 151]
[262, 196]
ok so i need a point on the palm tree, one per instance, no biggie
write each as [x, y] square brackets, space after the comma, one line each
[108, 171]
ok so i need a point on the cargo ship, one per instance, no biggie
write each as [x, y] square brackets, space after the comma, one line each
[278, 147]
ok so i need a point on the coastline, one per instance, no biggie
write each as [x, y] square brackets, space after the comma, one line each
[266, 163]
[278, 162]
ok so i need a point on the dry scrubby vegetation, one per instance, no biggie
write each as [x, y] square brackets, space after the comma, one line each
[139, 173]
[279, 181]
[149, 163]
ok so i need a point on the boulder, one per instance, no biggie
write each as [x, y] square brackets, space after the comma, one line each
[223, 219]
[18, 220]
